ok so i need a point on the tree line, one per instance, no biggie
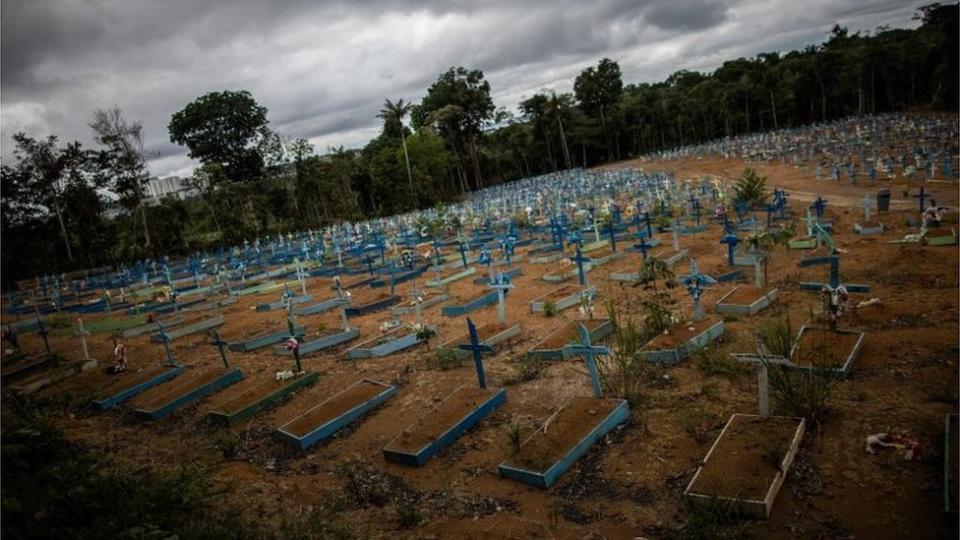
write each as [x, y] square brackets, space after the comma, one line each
[254, 181]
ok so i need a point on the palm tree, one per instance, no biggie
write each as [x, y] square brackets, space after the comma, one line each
[392, 114]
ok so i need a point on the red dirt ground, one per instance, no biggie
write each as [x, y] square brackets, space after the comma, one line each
[904, 379]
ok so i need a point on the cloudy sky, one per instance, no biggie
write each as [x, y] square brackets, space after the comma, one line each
[323, 69]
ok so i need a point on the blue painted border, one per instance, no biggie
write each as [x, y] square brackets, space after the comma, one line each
[546, 479]
[123, 395]
[230, 377]
[258, 342]
[473, 305]
[451, 434]
[326, 430]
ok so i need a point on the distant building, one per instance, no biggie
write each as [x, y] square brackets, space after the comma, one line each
[158, 188]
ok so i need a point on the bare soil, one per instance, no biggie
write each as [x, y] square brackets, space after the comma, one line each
[744, 295]
[333, 407]
[484, 332]
[561, 292]
[679, 335]
[747, 457]
[252, 394]
[569, 333]
[561, 433]
[824, 348]
[165, 393]
[461, 402]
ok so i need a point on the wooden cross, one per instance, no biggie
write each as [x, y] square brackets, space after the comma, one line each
[923, 197]
[612, 231]
[580, 259]
[42, 330]
[221, 344]
[165, 339]
[464, 249]
[643, 246]
[502, 285]
[589, 353]
[83, 333]
[763, 362]
[477, 349]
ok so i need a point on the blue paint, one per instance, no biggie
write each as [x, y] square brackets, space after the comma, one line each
[127, 393]
[228, 378]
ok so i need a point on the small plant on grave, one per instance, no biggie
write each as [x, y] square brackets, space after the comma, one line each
[652, 270]
[407, 514]
[515, 435]
[59, 320]
[801, 392]
[751, 187]
[658, 314]
[423, 332]
[448, 359]
[550, 309]
[625, 371]
[710, 519]
[697, 423]
[228, 445]
[776, 336]
[661, 222]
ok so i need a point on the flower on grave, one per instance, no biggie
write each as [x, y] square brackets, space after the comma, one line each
[384, 326]
[284, 375]
[292, 344]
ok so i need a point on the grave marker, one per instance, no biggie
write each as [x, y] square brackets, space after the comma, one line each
[589, 353]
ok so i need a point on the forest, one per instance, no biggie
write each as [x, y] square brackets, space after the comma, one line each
[67, 207]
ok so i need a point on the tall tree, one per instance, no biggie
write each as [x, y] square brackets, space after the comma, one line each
[392, 115]
[598, 90]
[458, 104]
[123, 160]
[223, 128]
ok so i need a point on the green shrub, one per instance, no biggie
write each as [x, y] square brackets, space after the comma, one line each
[751, 187]
[549, 309]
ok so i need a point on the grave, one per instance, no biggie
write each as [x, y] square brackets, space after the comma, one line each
[163, 400]
[745, 300]
[258, 397]
[381, 301]
[318, 423]
[489, 335]
[323, 339]
[188, 329]
[869, 226]
[551, 347]
[128, 384]
[59, 372]
[152, 326]
[259, 288]
[475, 303]
[940, 237]
[748, 463]
[428, 299]
[324, 306]
[563, 297]
[682, 340]
[282, 303]
[451, 276]
[265, 339]
[509, 273]
[570, 432]
[389, 342]
[455, 415]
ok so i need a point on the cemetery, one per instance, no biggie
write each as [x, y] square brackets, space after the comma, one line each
[751, 334]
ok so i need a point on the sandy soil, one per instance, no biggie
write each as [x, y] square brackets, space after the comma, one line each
[904, 379]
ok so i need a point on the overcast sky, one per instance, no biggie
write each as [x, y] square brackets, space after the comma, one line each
[323, 69]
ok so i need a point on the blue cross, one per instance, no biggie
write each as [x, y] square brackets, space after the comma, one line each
[731, 240]
[464, 249]
[436, 250]
[643, 246]
[486, 258]
[477, 349]
[923, 197]
[580, 259]
[818, 206]
[612, 231]
[165, 339]
[589, 353]
[834, 261]
[694, 281]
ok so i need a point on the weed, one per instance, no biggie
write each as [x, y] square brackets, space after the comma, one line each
[751, 187]
[697, 423]
[657, 313]
[625, 370]
[776, 336]
[408, 515]
[550, 309]
[801, 392]
[654, 269]
[448, 359]
[515, 435]
[713, 361]
[711, 519]
[228, 446]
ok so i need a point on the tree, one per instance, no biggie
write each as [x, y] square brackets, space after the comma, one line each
[40, 169]
[223, 128]
[392, 114]
[123, 161]
[598, 90]
[458, 104]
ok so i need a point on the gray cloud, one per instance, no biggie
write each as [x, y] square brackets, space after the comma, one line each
[323, 69]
